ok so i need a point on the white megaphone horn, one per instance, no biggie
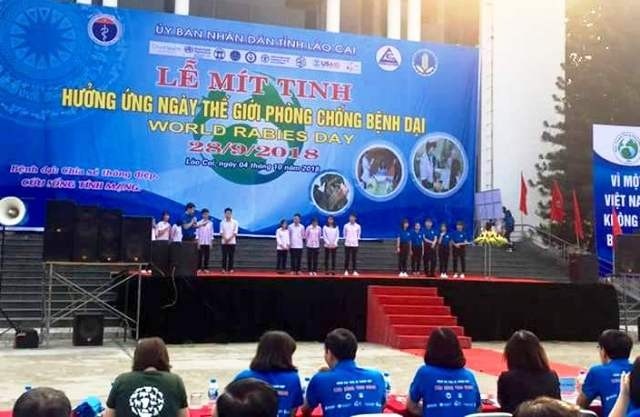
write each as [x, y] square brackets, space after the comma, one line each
[12, 211]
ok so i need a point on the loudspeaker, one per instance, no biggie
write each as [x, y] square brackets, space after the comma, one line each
[184, 258]
[160, 258]
[88, 329]
[583, 269]
[627, 256]
[85, 236]
[109, 235]
[59, 230]
[136, 239]
[26, 339]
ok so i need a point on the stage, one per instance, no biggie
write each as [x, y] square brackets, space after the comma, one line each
[237, 308]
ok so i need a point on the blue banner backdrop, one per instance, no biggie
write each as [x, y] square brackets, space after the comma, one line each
[147, 111]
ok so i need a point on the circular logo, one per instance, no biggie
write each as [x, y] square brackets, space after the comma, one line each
[219, 54]
[104, 29]
[380, 172]
[627, 148]
[424, 62]
[146, 402]
[265, 58]
[439, 165]
[235, 56]
[331, 193]
[301, 62]
[388, 58]
[250, 57]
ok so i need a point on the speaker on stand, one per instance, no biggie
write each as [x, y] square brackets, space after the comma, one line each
[109, 235]
[85, 237]
[59, 230]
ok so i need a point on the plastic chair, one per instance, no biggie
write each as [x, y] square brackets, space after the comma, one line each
[588, 413]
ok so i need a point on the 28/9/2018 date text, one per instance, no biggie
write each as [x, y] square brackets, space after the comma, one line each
[258, 151]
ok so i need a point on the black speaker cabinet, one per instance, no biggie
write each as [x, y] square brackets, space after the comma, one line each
[109, 235]
[627, 256]
[136, 239]
[160, 258]
[85, 237]
[59, 230]
[184, 258]
[88, 329]
[26, 339]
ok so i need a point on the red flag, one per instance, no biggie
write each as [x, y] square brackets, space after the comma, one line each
[557, 203]
[523, 195]
[615, 224]
[577, 217]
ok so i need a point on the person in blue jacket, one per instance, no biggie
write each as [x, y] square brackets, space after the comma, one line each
[459, 244]
[403, 247]
[273, 364]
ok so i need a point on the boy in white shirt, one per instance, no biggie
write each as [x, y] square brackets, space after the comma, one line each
[282, 247]
[176, 233]
[330, 236]
[296, 237]
[312, 236]
[163, 228]
[204, 234]
[228, 236]
[351, 232]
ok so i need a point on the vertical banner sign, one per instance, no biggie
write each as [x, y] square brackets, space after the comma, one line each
[147, 111]
[616, 183]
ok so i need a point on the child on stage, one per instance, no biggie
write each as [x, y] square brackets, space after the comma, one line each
[403, 247]
[312, 236]
[351, 232]
[282, 247]
[228, 237]
[163, 227]
[444, 243]
[430, 239]
[416, 248]
[330, 236]
[459, 246]
[296, 237]
[204, 234]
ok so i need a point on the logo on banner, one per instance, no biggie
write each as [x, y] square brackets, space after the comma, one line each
[104, 29]
[219, 54]
[250, 57]
[235, 55]
[424, 62]
[626, 147]
[388, 58]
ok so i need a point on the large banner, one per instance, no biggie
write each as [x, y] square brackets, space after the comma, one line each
[616, 183]
[148, 111]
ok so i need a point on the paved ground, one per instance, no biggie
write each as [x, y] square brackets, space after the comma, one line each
[89, 371]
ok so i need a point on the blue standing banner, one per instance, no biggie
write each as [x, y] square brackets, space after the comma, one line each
[147, 111]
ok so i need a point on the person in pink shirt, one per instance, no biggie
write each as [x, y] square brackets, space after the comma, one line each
[312, 236]
[351, 232]
[330, 237]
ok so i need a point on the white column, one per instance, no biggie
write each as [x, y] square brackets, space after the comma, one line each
[83, 1]
[182, 7]
[394, 19]
[414, 20]
[110, 3]
[333, 15]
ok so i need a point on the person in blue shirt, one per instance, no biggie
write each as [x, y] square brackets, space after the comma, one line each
[403, 247]
[430, 241]
[189, 223]
[628, 402]
[416, 248]
[603, 380]
[345, 389]
[444, 243]
[443, 387]
[273, 364]
[459, 244]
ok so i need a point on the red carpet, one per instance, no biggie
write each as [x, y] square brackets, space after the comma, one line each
[491, 362]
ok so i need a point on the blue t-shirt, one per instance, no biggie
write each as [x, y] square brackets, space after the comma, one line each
[445, 239]
[429, 234]
[347, 390]
[459, 237]
[404, 236]
[445, 392]
[416, 238]
[190, 232]
[286, 383]
[604, 381]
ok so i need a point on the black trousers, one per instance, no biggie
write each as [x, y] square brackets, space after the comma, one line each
[312, 259]
[204, 251]
[429, 260]
[416, 258]
[330, 254]
[281, 262]
[459, 254]
[443, 259]
[403, 257]
[228, 255]
[350, 257]
[296, 259]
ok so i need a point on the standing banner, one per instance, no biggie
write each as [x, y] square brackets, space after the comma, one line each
[616, 183]
[147, 111]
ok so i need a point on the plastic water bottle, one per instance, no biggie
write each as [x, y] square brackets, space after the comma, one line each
[213, 391]
[27, 388]
[304, 382]
[387, 383]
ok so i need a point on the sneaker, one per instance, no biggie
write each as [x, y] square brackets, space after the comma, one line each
[231, 271]
[310, 274]
[445, 276]
[461, 275]
[456, 275]
[224, 271]
[400, 275]
[346, 273]
[355, 273]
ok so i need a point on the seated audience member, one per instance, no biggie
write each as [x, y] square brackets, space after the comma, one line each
[603, 380]
[628, 402]
[546, 407]
[42, 402]
[248, 397]
[345, 389]
[442, 386]
[150, 389]
[273, 364]
[528, 376]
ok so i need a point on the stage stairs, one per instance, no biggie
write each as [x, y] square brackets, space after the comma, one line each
[403, 317]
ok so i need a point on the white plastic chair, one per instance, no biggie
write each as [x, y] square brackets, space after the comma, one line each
[588, 413]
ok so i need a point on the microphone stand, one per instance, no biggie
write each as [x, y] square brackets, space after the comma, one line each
[12, 325]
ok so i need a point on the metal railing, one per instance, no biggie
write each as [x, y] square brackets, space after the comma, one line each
[544, 239]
